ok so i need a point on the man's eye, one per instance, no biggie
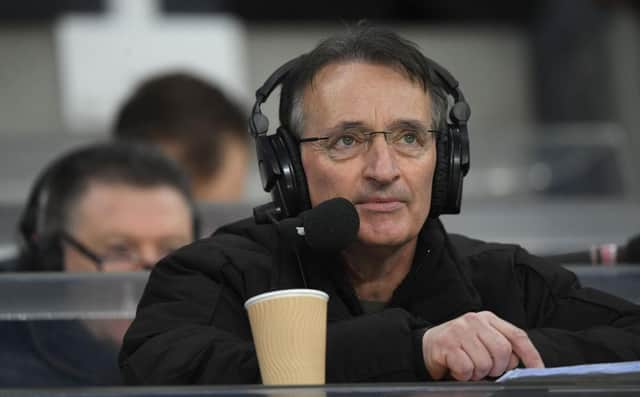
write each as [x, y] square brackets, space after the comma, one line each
[409, 138]
[344, 141]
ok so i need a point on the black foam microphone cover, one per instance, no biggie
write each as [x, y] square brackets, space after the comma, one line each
[331, 226]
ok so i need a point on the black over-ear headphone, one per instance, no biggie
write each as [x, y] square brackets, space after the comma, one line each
[37, 251]
[281, 168]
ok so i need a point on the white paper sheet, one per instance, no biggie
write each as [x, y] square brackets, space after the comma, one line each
[588, 369]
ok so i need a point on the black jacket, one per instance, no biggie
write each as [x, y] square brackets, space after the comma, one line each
[191, 326]
[55, 353]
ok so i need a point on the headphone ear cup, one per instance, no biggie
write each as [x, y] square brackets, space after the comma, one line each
[29, 258]
[440, 185]
[50, 255]
[299, 193]
[282, 175]
[42, 255]
[454, 192]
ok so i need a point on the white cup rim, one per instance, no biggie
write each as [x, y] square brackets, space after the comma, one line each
[287, 292]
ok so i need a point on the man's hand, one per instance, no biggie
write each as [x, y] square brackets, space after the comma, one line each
[475, 345]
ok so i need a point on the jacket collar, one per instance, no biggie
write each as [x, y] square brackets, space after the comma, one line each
[435, 290]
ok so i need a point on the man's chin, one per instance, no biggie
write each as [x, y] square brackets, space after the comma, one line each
[383, 237]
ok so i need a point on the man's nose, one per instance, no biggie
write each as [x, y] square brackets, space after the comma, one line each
[381, 161]
[149, 256]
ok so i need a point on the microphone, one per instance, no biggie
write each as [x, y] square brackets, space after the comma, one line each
[329, 227]
[603, 254]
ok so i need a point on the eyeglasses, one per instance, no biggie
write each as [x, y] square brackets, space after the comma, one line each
[114, 259]
[410, 142]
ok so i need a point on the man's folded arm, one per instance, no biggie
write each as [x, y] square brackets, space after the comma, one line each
[382, 346]
[570, 324]
[367, 348]
[191, 355]
[189, 329]
[605, 329]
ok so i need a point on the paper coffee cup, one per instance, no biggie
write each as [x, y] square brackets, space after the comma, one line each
[289, 330]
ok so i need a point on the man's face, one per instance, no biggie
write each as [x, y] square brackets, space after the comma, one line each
[118, 221]
[391, 192]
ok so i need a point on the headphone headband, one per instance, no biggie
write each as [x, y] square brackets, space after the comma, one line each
[276, 78]
[258, 123]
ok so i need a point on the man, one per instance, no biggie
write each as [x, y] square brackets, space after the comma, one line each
[408, 302]
[197, 125]
[106, 207]
[101, 208]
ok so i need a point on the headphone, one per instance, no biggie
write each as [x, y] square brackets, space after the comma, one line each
[41, 251]
[283, 176]
[38, 252]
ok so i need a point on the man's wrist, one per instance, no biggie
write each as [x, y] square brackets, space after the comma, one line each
[418, 357]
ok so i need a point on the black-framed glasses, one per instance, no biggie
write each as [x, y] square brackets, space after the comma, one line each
[120, 259]
[352, 143]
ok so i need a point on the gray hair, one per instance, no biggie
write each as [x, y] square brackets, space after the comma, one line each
[366, 44]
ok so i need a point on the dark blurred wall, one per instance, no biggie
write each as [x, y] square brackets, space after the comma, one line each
[571, 69]
[336, 10]
[38, 10]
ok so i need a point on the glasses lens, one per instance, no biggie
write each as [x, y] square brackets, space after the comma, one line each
[350, 144]
[411, 142]
[346, 145]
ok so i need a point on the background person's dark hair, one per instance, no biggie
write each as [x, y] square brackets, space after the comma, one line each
[187, 111]
[361, 43]
[61, 185]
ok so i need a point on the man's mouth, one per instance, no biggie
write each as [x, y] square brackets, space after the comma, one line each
[380, 204]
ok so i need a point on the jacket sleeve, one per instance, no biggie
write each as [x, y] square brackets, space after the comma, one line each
[570, 324]
[189, 329]
[385, 346]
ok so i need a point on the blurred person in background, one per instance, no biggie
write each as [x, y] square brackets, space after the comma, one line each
[197, 125]
[107, 207]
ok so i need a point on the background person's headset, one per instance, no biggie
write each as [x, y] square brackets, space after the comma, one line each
[281, 168]
[38, 251]
[41, 250]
